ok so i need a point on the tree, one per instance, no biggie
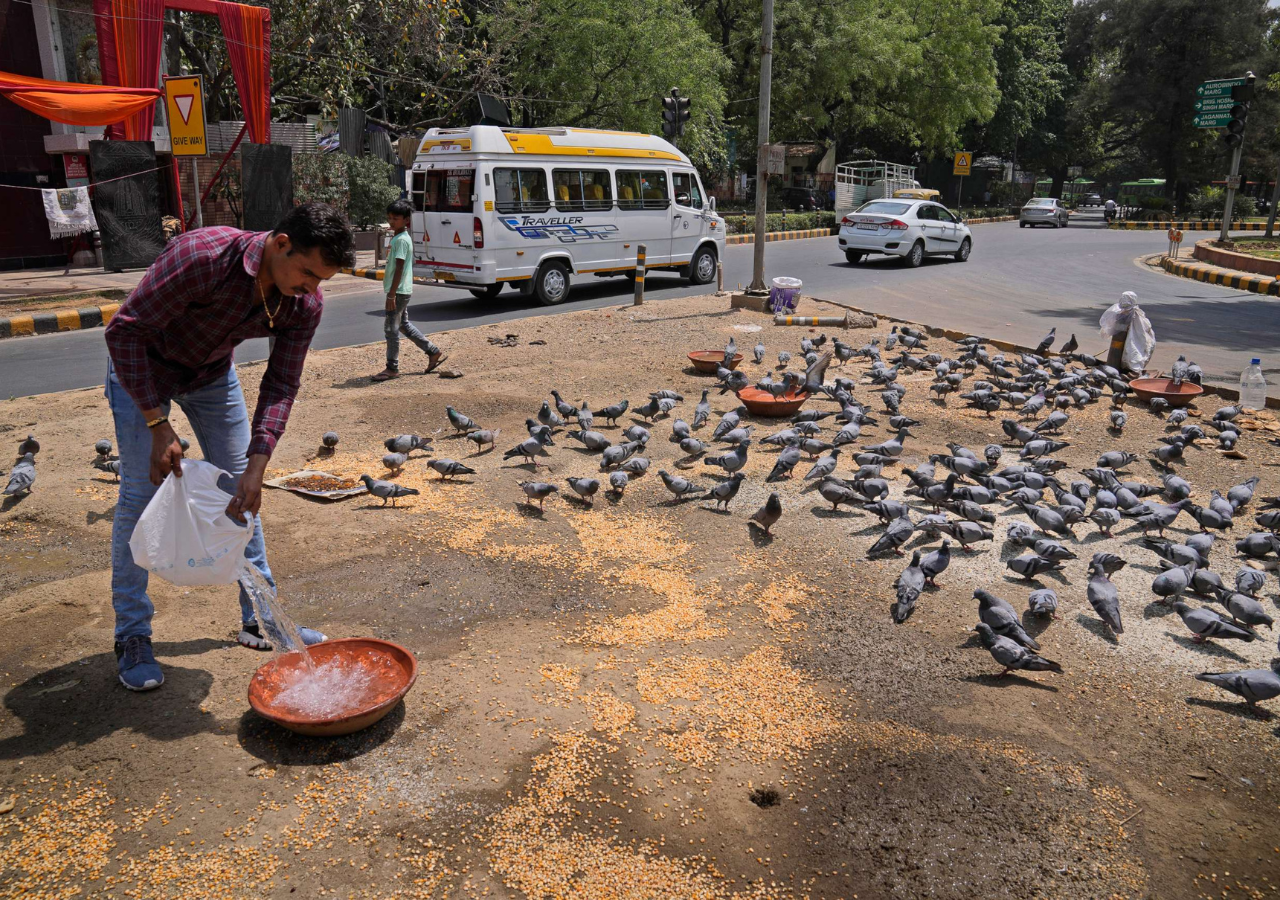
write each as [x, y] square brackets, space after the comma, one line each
[602, 64]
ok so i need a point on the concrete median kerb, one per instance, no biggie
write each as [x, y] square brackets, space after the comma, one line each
[57, 320]
[1228, 278]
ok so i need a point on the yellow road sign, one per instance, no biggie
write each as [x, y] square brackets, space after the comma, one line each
[184, 103]
[963, 161]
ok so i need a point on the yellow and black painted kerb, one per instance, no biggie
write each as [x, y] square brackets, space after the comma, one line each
[1186, 226]
[1230, 278]
[57, 320]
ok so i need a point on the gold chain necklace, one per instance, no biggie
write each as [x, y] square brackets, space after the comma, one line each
[271, 316]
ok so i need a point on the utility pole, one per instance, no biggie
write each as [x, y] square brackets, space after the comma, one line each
[1234, 137]
[762, 147]
[1275, 198]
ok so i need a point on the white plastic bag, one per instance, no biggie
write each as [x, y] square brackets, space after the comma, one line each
[1141, 341]
[185, 535]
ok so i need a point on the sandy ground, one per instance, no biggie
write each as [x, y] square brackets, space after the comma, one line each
[640, 699]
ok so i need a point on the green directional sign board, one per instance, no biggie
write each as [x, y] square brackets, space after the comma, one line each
[1212, 120]
[1214, 104]
[1220, 88]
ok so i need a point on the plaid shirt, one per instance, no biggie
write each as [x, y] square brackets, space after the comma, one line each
[178, 329]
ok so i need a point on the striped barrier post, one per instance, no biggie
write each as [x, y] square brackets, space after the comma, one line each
[639, 300]
[824, 321]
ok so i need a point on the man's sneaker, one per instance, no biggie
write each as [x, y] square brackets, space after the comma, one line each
[139, 670]
[251, 636]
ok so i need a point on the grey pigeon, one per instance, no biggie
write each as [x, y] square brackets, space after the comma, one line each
[732, 461]
[701, 412]
[967, 533]
[548, 416]
[1254, 685]
[1257, 545]
[1178, 371]
[1205, 624]
[329, 439]
[1020, 533]
[585, 488]
[450, 468]
[612, 413]
[566, 410]
[728, 422]
[1116, 459]
[1108, 562]
[618, 454]
[528, 449]
[110, 466]
[1002, 618]
[679, 431]
[592, 440]
[538, 490]
[691, 446]
[1170, 584]
[102, 447]
[1240, 495]
[394, 461]
[387, 490]
[935, 563]
[459, 421]
[836, 492]
[785, 462]
[1043, 602]
[484, 437]
[1246, 609]
[585, 417]
[1104, 598]
[618, 482]
[1249, 580]
[908, 586]
[1052, 550]
[1207, 583]
[636, 465]
[1011, 655]
[405, 443]
[1105, 519]
[758, 353]
[1119, 418]
[897, 534]
[637, 433]
[825, 465]
[680, 487]
[29, 445]
[768, 515]
[1029, 565]
[23, 475]
[726, 490]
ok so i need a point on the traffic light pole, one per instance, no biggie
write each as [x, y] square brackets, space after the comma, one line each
[762, 148]
[1231, 191]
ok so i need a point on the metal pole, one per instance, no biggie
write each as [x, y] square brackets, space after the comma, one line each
[762, 145]
[195, 187]
[639, 300]
[719, 276]
[959, 190]
[1231, 192]
[1275, 198]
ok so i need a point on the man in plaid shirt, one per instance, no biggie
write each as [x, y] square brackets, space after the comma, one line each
[172, 342]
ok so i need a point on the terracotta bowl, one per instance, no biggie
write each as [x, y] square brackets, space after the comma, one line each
[390, 687]
[708, 361]
[762, 403]
[1147, 388]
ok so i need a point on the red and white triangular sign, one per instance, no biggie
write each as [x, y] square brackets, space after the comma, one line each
[184, 103]
[456, 239]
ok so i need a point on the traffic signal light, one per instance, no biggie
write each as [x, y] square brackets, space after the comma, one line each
[1242, 94]
[675, 112]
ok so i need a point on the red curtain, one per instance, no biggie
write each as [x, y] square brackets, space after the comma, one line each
[247, 30]
[90, 105]
[130, 33]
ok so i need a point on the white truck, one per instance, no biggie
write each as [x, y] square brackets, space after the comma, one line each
[870, 179]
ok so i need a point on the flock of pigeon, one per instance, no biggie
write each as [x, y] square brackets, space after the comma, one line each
[1039, 388]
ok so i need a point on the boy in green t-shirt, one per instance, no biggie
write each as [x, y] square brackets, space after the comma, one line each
[397, 281]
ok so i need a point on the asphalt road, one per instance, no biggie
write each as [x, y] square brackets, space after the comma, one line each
[1017, 284]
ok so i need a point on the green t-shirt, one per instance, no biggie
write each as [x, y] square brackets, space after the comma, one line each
[401, 248]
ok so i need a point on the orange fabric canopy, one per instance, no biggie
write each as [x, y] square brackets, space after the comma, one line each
[76, 104]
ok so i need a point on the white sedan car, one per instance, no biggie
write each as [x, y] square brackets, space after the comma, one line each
[911, 229]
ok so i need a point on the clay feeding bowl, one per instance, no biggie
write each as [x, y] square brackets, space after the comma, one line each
[393, 670]
[1180, 395]
[708, 361]
[762, 403]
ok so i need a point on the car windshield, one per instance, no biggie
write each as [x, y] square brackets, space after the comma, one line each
[1041, 201]
[884, 208]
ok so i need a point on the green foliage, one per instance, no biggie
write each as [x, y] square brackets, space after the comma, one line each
[1006, 193]
[745, 222]
[602, 64]
[1031, 73]
[370, 190]
[321, 177]
[1208, 203]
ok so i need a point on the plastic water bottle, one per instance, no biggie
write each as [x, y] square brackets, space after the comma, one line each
[1253, 387]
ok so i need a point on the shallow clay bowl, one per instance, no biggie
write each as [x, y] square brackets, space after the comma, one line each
[708, 361]
[1181, 395]
[270, 677]
[762, 403]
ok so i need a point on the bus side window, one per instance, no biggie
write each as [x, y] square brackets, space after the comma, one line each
[520, 190]
[645, 189]
[579, 190]
[418, 193]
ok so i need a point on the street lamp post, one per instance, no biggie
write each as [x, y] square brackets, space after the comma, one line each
[762, 147]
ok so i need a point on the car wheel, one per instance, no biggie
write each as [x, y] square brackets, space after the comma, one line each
[551, 284]
[1022, 224]
[702, 268]
[1066, 222]
[1056, 224]
[853, 257]
[915, 256]
[488, 292]
[963, 253]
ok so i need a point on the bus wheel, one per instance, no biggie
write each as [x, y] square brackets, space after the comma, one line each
[551, 284]
[702, 269]
[488, 292]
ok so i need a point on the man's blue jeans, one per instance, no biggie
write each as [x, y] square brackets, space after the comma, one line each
[217, 415]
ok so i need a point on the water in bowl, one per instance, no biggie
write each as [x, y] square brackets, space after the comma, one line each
[342, 685]
[276, 625]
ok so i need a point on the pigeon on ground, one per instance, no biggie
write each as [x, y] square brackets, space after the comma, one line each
[758, 353]
[732, 461]
[1046, 342]
[966, 533]
[1119, 418]
[538, 490]
[387, 490]
[611, 414]
[1256, 545]
[680, 487]
[1170, 584]
[30, 445]
[785, 462]
[1205, 624]
[935, 563]
[635, 466]
[836, 492]
[405, 443]
[726, 490]
[592, 440]
[702, 411]
[1254, 685]
[110, 466]
[548, 416]
[1029, 565]
[394, 461]
[1105, 519]
[1246, 609]
[1249, 580]
[1239, 495]
[1043, 602]
[565, 410]
[897, 534]
[728, 422]
[1103, 596]
[618, 482]
[23, 475]
[908, 586]
[450, 468]
[460, 422]
[1003, 619]
[102, 447]
[1011, 655]
[585, 488]
[1020, 533]
[329, 439]
[1207, 583]
[585, 417]
[1052, 550]
[767, 515]
[528, 449]
[825, 466]
[618, 454]
[484, 437]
